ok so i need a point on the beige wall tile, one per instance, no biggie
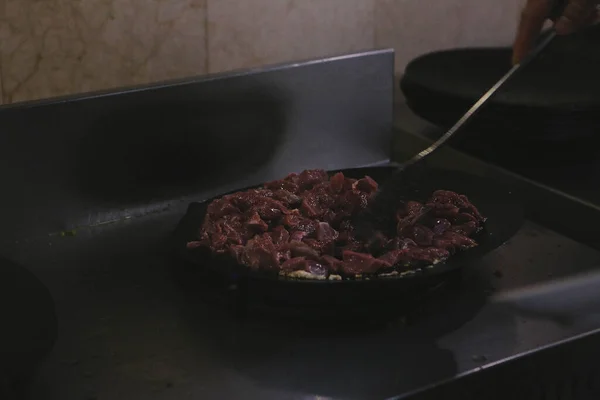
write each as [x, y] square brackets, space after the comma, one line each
[415, 27]
[57, 47]
[248, 33]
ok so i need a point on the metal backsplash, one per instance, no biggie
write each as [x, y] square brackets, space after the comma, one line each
[100, 157]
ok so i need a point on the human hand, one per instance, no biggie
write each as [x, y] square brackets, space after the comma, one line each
[577, 14]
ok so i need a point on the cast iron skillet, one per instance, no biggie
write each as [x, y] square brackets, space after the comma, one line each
[497, 202]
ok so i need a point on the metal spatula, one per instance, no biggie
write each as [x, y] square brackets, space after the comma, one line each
[393, 191]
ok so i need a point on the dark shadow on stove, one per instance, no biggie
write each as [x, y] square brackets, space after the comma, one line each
[335, 354]
[29, 327]
[162, 151]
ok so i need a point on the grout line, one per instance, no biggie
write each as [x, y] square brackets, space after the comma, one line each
[206, 51]
[374, 19]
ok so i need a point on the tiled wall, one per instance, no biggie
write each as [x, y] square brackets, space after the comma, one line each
[56, 47]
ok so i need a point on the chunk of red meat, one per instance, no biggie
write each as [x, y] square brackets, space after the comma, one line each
[195, 244]
[297, 236]
[444, 243]
[310, 177]
[449, 203]
[294, 264]
[246, 200]
[414, 208]
[464, 217]
[292, 177]
[218, 242]
[322, 247]
[352, 202]
[406, 223]
[233, 230]
[366, 184]
[283, 254]
[260, 253]
[353, 245]
[360, 263]
[220, 208]
[310, 206]
[459, 241]
[269, 209]
[279, 235]
[392, 257]
[256, 223]
[466, 229]
[299, 223]
[400, 243]
[287, 198]
[337, 182]
[448, 211]
[287, 185]
[377, 243]
[301, 249]
[422, 235]
[325, 232]
[430, 255]
[349, 183]
[332, 263]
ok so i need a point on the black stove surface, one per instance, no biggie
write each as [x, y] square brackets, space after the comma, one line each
[137, 331]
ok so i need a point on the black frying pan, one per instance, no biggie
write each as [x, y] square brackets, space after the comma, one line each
[497, 202]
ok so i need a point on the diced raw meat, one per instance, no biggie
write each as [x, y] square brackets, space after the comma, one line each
[365, 184]
[301, 249]
[466, 229]
[337, 182]
[392, 257]
[256, 223]
[310, 177]
[297, 236]
[325, 232]
[260, 253]
[422, 235]
[430, 255]
[310, 206]
[303, 225]
[287, 198]
[399, 243]
[460, 241]
[279, 235]
[360, 263]
[334, 264]
[294, 264]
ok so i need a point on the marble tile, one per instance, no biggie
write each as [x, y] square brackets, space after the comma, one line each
[249, 33]
[57, 47]
[415, 27]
